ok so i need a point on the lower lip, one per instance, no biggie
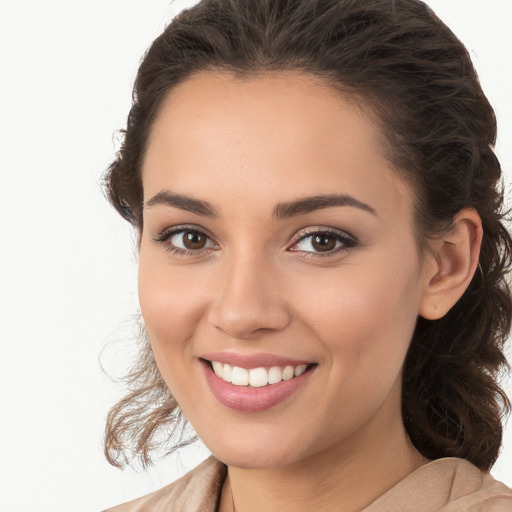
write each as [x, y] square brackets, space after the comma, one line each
[249, 399]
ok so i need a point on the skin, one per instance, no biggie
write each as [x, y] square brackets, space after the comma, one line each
[245, 146]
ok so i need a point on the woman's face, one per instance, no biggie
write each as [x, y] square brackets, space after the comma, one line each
[276, 235]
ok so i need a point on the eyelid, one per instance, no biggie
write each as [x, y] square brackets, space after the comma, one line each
[163, 236]
[172, 230]
[348, 241]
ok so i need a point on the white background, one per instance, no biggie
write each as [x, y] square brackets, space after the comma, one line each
[67, 263]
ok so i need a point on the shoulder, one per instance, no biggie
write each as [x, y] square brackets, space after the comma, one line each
[446, 485]
[473, 489]
[198, 490]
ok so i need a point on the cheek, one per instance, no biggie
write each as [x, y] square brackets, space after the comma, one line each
[172, 306]
[364, 315]
[171, 302]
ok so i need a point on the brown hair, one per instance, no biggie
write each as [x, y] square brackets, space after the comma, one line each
[398, 58]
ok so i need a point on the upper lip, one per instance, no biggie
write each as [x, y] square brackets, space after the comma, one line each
[249, 361]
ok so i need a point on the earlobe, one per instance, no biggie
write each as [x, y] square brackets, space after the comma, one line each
[451, 265]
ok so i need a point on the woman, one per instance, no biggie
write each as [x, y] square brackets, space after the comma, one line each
[322, 260]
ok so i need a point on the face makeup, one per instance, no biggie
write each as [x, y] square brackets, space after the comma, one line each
[279, 277]
[253, 383]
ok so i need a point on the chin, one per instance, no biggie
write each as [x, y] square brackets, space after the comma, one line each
[254, 459]
[255, 451]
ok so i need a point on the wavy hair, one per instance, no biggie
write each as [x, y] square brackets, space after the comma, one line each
[397, 58]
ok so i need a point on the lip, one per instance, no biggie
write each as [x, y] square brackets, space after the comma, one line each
[250, 361]
[248, 399]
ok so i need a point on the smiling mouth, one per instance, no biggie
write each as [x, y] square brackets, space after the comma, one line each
[257, 377]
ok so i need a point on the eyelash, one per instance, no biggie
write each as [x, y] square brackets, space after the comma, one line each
[165, 235]
[347, 241]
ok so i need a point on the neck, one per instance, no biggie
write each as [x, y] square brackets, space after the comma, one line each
[340, 478]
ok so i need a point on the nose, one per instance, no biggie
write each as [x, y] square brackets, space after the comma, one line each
[250, 300]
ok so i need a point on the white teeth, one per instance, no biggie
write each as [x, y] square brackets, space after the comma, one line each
[256, 377]
[300, 369]
[227, 373]
[275, 375]
[240, 376]
[288, 373]
[217, 368]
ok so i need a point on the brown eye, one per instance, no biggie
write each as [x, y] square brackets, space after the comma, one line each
[185, 241]
[323, 243]
[193, 240]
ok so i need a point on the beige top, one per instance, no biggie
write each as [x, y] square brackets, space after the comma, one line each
[444, 485]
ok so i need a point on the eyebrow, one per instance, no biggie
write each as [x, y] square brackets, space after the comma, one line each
[310, 204]
[282, 211]
[182, 202]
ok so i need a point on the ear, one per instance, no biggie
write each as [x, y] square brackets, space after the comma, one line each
[451, 265]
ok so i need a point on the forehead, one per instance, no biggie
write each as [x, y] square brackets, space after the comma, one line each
[268, 138]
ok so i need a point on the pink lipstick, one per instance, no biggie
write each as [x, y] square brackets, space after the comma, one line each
[254, 382]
